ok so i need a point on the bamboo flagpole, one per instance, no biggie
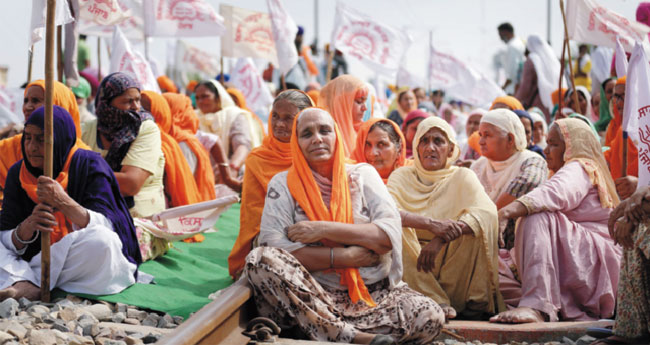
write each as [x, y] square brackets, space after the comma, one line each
[568, 50]
[562, 64]
[330, 58]
[99, 58]
[59, 53]
[30, 60]
[49, 140]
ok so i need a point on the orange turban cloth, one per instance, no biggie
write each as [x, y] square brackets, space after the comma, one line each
[557, 95]
[166, 84]
[184, 126]
[614, 139]
[473, 140]
[510, 101]
[180, 185]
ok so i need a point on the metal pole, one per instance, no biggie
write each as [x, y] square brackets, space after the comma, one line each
[47, 169]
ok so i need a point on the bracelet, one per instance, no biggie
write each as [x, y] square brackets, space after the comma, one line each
[331, 257]
[224, 164]
[20, 240]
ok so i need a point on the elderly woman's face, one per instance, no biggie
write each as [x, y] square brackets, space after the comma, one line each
[528, 128]
[494, 145]
[554, 150]
[282, 116]
[407, 100]
[472, 124]
[381, 152]
[434, 149]
[34, 145]
[206, 101]
[34, 98]
[316, 136]
[129, 100]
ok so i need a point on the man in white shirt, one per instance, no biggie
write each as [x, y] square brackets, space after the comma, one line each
[514, 57]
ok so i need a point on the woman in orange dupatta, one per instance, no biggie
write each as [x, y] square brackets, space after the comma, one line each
[345, 98]
[625, 183]
[331, 239]
[272, 157]
[10, 151]
[381, 144]
[185, 123]
[180, 186]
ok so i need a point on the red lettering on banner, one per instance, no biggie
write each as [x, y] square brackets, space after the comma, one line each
[189, 221]
[644, 111]
[97, 11]
[644, 150]
[612, 24]
[185, 12]
[365, 40]
[255, 29]
[108, 4]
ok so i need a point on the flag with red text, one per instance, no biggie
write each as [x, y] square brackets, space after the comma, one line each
[248, 34]
[181, 18]
[284, 34]
[247, 78]
[126, 59]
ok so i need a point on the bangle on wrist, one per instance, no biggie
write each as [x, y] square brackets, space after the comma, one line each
[19, 240]
[224, 165]
[331, 257]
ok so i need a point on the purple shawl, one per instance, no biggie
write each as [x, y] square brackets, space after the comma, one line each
[92, 185]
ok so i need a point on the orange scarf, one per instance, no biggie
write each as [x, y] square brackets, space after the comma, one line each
[272, 157]
[510, 101]
[305, 191]
[337, 98]
[614, 139]
[183, 129]
[311, 66]
[359, 153]
[10, 149]
[29, 183]
[180, 185]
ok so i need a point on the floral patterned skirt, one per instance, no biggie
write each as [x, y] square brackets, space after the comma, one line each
[285, 292]
[633, 305]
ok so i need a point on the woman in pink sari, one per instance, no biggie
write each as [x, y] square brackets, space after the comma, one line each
[566, 265]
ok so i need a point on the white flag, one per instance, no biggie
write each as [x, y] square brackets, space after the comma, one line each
[248, 80]
[406, 78]
[126, 59]
[621, 59]
[181, 18]
[284, 34]
[380, 47]
[10, 107]
[248, 34]
[102, 12]
[132, 27]
[192, 59]
[461, 81]
[39, 12]
[589, 22]
[637, 110]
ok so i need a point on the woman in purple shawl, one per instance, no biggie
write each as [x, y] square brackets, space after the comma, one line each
[95, 249]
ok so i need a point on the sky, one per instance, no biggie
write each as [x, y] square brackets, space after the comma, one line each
[463, 28]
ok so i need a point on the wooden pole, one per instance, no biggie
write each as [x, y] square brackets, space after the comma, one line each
[223, 75]
[562, 64]
[59, 53]
[568, 51]
[99, 59]
[30, 60]
[329, 64]
[49, 142]
[284, 83]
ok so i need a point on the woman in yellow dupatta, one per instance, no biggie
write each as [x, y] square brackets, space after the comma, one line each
[450, 209]
[330, 238]
[272, 157]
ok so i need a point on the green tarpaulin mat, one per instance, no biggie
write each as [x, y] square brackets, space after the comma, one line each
[187, 274]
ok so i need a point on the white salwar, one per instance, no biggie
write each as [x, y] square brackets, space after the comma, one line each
[87, 260]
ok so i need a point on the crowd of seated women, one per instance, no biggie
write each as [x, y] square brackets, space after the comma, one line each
[355, 227]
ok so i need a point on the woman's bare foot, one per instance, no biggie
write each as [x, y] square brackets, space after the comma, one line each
[450, 312]
[519, 315]
[21, 289]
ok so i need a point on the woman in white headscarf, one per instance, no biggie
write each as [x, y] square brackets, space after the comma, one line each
[539, 76]
[445, 206]
[584, 99]
[540, 128]
[506, 169]
[219, 115]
